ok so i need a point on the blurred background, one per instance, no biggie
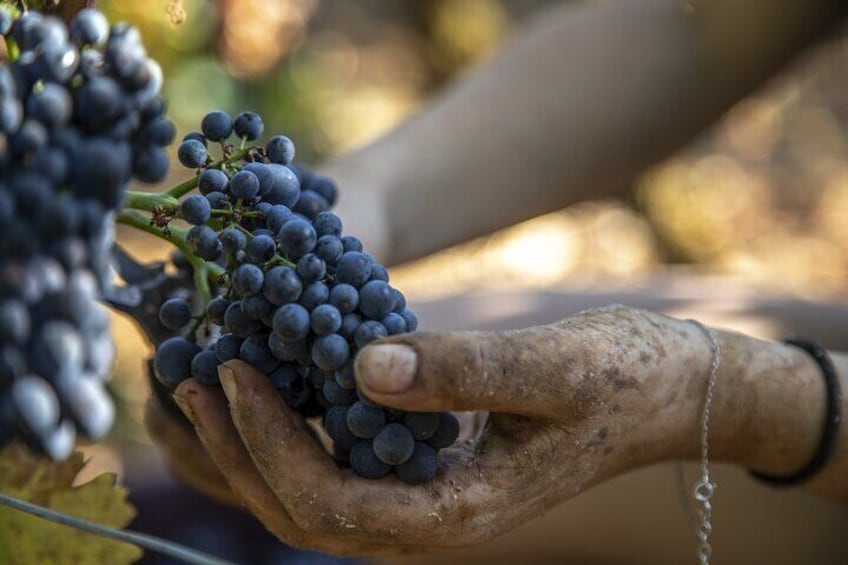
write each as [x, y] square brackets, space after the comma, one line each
[759, 204]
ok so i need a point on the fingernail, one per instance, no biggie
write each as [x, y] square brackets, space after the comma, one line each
[228, 382]
[386, 369]
[186, 407]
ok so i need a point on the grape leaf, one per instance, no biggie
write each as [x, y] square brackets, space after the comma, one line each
[27, 539]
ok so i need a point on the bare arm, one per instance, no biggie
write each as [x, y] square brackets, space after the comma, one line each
[581, 100]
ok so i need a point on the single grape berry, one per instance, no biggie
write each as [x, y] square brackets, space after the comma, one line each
[203, 242]
[244, 185]
[212, 180]
[248, 125]
[379, 273]
[325, 319]
[327, 223]
[216, 125]
[368, 331]
[344, 297]
[354, 268]
[291, 322]
[227, 347]
[335, 423]
[175, 313]
[281, 186]
[238, 322]
[254, 351]
[394, 324]
[277, 216]
[196, 136]
[422, 425]
[14, 322]
[297, 238]
[311, 268]
[36, 402]
[247, 279]
[216, 309]
[376, 300]
[192, 153]
[282, 285]
[172, 362]
[280, 149]
[233, 240]
[446, 433]
[311, 204]
[204, 367]
[394, 444]
[89, 27]
[421, 467]
[365, 421]
[345, 376]
[324, 186]
[411, 320]
[257, 307]
[314, 295]
[261, 248]
[366, 463]
[335, 394]
[330, 352]
[218, 200]
[196, 209]
[51, 105]
[329, 248]
[351, 243]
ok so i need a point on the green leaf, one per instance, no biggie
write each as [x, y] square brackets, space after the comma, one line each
[26, 539]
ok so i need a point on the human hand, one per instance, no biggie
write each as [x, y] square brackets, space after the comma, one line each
[572, 404]
[183, 451]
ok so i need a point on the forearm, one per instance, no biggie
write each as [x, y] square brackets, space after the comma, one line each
[578, 103]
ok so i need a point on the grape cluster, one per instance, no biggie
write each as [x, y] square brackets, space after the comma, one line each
[297, 298]
[80, 115]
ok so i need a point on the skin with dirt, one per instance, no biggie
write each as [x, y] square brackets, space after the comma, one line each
[571, 404]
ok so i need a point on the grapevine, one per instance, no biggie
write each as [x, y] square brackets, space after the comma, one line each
[264, 270]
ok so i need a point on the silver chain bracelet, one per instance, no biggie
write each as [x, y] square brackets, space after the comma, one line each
[705, 488]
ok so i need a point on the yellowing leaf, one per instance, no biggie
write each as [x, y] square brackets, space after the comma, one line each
[29, 540]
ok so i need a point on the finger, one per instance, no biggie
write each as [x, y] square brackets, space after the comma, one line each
[207, 409]
[520, 372]
[185, 454]
[323, 499]
[277, 442]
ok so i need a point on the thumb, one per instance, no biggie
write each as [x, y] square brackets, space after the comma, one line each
[520, 372]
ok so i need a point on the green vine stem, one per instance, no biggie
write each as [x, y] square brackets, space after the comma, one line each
[203, 270]
[148, 201]
[168, 202]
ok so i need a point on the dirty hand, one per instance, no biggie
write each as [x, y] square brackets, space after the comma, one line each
[571, 404]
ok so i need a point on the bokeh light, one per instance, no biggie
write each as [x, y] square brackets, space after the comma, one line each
[762, 198]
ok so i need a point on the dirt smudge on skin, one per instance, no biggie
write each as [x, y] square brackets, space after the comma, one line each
[619, 380]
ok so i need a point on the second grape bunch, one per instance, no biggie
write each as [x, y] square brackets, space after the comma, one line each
[297, 299]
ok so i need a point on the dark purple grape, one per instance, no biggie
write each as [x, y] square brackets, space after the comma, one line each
[216, 126]
[421, 467]
[394, 444]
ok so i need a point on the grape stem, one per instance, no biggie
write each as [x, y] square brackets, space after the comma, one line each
[151, 543]
[169, 201]
[189, 185]
[148, 201]
[203, 270]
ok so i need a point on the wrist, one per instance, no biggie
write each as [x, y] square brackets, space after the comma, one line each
[769, 405]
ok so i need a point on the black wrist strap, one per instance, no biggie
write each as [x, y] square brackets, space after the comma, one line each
[832, 420]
